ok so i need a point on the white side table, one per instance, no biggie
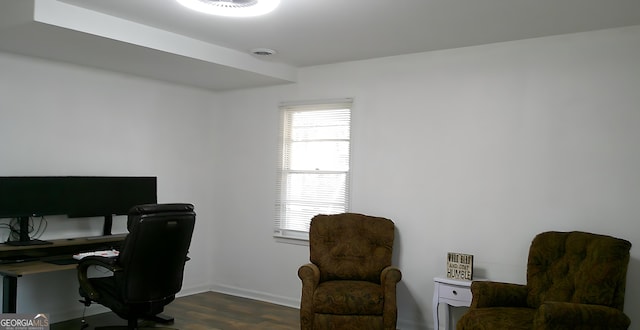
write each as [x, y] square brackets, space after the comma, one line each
[451, 292]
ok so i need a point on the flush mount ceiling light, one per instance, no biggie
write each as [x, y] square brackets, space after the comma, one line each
[234, 8]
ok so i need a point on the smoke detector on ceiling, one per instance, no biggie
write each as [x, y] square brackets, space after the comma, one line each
[263, 51]
[234, 8]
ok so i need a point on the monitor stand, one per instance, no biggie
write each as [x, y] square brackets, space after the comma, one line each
[27, 243]
[24, 235]
[107, 225]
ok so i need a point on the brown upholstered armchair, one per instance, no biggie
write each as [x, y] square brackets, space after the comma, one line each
[575, 280]
[350, 283]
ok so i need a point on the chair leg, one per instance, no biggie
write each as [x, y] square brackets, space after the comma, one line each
[85, 301]
[132, 323]
[83, 322]
[163, 318]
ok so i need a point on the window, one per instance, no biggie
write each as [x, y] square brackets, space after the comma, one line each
[314, 165]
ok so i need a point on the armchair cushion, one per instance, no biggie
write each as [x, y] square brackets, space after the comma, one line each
[563, 315]
[348, 298]
[490, 299]
[498, 318]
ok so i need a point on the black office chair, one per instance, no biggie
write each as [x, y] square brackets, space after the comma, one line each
[148, 272]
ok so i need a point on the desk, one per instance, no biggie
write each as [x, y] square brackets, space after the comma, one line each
[451, 292]
[65, 247]
[10, 274]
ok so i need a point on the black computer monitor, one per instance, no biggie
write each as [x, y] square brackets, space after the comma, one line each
[75, 196]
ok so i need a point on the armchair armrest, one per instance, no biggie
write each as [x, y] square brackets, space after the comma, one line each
[497, 294]
[310, 276]
[564, 315]
[389, 277]
[83, 267]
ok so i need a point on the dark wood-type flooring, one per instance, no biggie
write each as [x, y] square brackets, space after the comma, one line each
[208, 311]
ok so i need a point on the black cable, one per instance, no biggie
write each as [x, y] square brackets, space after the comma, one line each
[33, 232]
[14, 230]
[40, 230]
[7, 227]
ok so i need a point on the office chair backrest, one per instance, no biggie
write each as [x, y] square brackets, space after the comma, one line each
[351, 246]
[154, 253]
[577, 267]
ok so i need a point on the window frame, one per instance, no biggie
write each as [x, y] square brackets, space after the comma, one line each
[283, 231]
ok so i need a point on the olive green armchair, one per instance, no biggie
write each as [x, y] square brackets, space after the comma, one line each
[575, 280]
[350, 282]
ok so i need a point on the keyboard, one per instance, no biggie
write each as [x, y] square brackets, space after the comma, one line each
[16, 259]
[101, 253]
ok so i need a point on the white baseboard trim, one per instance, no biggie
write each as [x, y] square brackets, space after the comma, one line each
[294, 303]
[405, 324]
[193, 290]
[230, 290]
[256, 295]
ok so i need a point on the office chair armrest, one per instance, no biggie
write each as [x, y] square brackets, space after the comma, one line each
[564, 315]
[83, 268]
[109, 263]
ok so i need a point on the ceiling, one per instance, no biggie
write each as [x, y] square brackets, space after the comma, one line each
[162, 40]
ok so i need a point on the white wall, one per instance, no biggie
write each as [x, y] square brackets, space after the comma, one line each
[59, 119]
[472, 150]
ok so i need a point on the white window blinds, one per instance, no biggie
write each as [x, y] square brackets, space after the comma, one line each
[314, 165]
